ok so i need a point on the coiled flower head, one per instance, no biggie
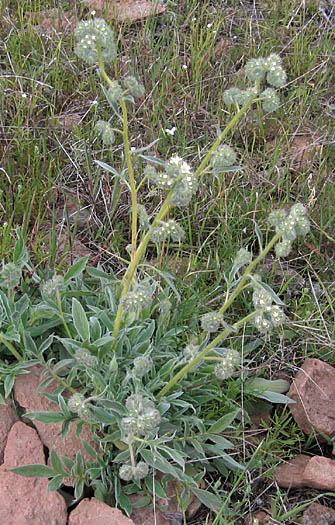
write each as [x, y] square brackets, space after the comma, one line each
[50, 287]
[261, 298]
[166, 229]
[10, 275]
[276, 76]
[227, 365]
[85, 358]
[142, 417]
[107, 133]
[271, 101]
[211, 321]
[114, 91]
[91, 35]
[76, 402]
[135, 88]
[255, 69]
[142, 365]
[140, 471]
[242, 258]
[136, 300]
[224, 157]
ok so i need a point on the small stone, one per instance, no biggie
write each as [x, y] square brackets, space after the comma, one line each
[8, 417]
[313, 390]
[258, 518]
[95, 512]
[317, 514]
[26, 501]
[319, 473]
[290, 474]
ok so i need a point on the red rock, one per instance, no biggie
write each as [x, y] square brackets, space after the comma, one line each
[317, 514]
[95, 512]
[26, 501]
[146, 515]
[313, 390]
[8, 417]
[258, 518]
[50, 433]
[319, 473]
[290, 474]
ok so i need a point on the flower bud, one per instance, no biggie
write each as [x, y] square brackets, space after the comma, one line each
[261, 323]
[227, 365]
[261, 298]
[283, 248]
[114, 91]
[136, 300]
[85, 358]
[242, 258]
[92, 34]
[276, 314]
[223, 157]
[10, 275]
[126, 472]
[272, 60]
[141, 470]
[232, 96]
[166, 229]
[271, 100]
[211, 321]
[255, 69]
[135, 88]
[50, 287]
[276, 76]
[142, 365]
[107, 133]
[76, 402]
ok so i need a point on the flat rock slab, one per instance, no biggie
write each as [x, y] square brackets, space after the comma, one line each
[317, 514]
[320, 473]
[95, 512]
[313, 390]
[290, 474]
[28, 397]
[26, 501]
[8, 417]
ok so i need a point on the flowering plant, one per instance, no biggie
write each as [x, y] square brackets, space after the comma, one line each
[124, 364]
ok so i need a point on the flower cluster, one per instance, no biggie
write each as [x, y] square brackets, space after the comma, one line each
[92, 35]
[228, 364]
[128, 472]
[76, 404]
[211, 321]
[136, 300]
[134, 87]
[50, 287]
[177, 175]
[10, 275]
[256, 70]
[242, 258]
[142, 365]
[224, 157]
[114, 92]
[85, 358]
[142, 417]
[166, 229]
[107, 133]
[272, 315]
[291, 225]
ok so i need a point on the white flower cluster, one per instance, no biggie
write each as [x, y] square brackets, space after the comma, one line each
[211, 321]
[133, 85]
[242, 258]
[10, 275]
[107, 133]
[224, 157]
[184, 189]
[50, 287]
[256, 70]
[76, 404]
[272, 315]
[136, 300]
[227, 365]
[90, 36]
[140, 471]
[142, 416]
[142, 365]
[290, 225]
[167, 229]
[85, 358]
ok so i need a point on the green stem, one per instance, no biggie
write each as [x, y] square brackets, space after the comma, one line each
[205, 351]
[11, 348]
[248, 271]
[132, 182]
[225, 132]
[61, 315]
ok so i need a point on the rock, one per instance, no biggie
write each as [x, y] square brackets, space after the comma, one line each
[50, 433]
[290, 474]
[258, 518]
[95, 512]
[8, 417]
[317, 514]
[26, 501]
[313, 391]
[319, 473]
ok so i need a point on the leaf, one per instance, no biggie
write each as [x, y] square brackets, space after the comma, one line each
[154, 487]
[79, 489]
[224, 422]
[209, 499]
[56, 462]
[56, 482]
[46, 417]
[109, 168]
[127, 10]
[76, 269]
[8, 384]
[34, 471]
[80, 320]
[274, 397]
[260, 384]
